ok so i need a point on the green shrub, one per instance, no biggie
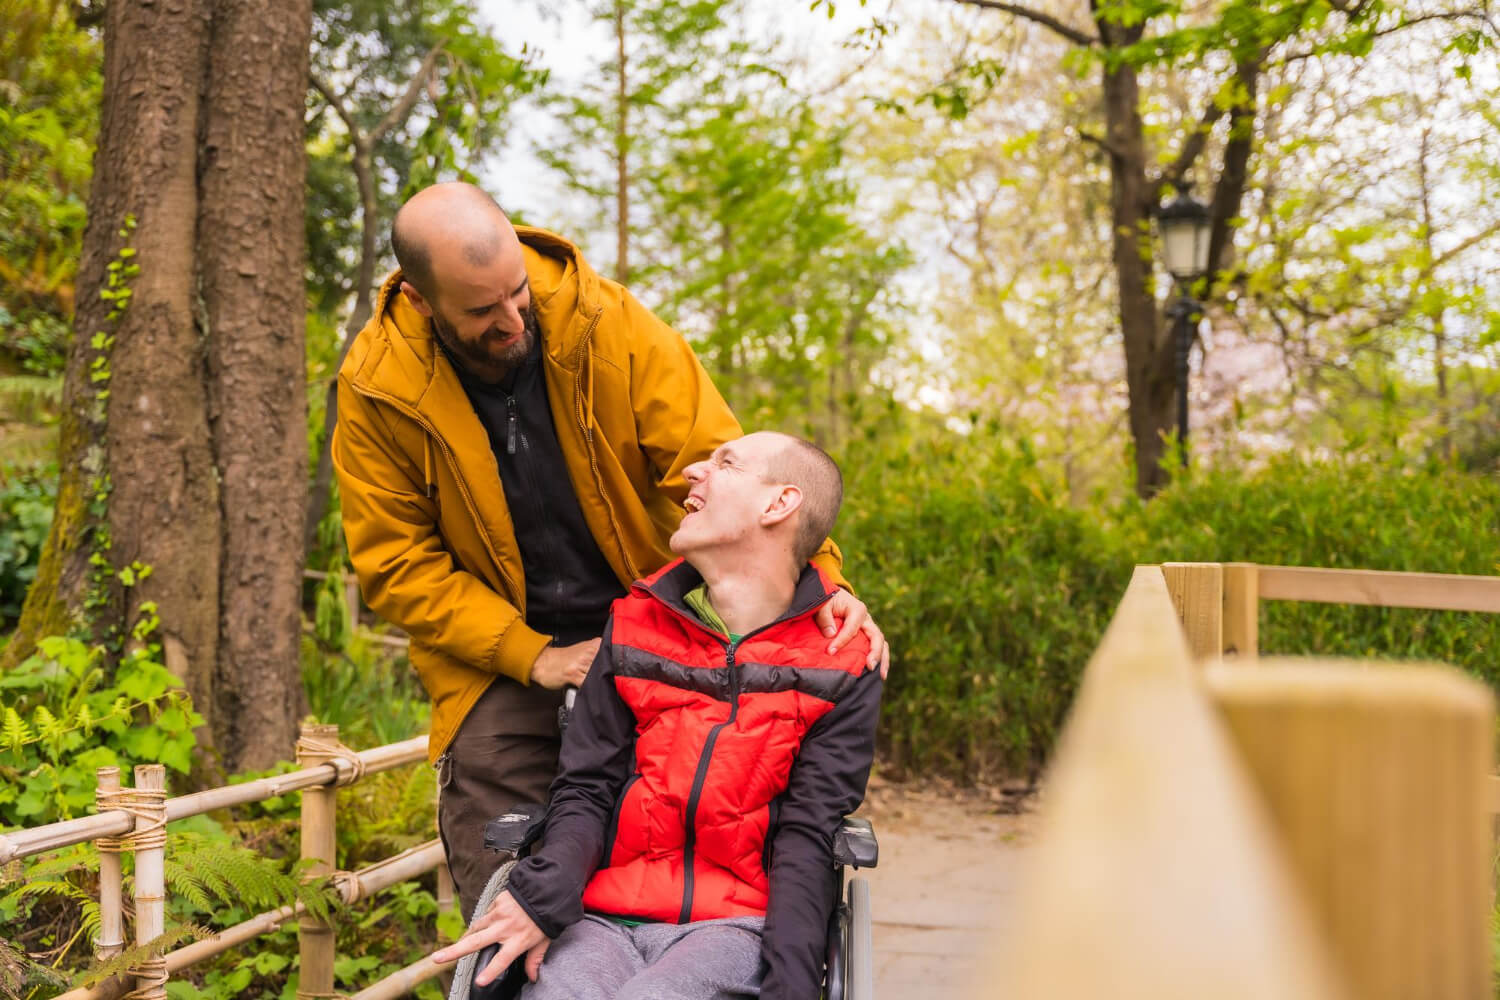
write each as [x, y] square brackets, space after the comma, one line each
[991, 590]
[26, 502]
[1345, 513]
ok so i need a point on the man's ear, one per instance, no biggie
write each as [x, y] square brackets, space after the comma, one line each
[415, 298]
[787, 502]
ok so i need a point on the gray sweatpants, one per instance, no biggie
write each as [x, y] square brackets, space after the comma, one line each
[598, 959]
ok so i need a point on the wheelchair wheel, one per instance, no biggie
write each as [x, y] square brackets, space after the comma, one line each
[859, 945]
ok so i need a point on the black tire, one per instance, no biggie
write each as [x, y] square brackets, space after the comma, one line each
[859, 944]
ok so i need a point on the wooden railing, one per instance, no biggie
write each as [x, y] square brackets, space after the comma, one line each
[134, 819]
[1239, 827]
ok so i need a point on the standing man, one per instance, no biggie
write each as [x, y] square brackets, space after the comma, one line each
[512, 434]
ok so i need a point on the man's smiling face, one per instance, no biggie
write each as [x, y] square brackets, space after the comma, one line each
[727, 494]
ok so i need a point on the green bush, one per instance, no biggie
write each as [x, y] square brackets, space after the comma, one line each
[992, 592]
[26, 501]
[1352, 514]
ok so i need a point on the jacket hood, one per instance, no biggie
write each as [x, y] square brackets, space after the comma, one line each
[395, 354]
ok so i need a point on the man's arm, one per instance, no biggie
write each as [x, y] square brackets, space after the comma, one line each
[592, 771]
[405, 572]
[827, 782]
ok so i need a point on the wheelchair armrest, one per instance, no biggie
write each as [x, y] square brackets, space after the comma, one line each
[516, 828]
[854, 844]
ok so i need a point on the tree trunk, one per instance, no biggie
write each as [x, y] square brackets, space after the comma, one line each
[622, 150]
[198, 173]
[1148, 362]
[251, 216]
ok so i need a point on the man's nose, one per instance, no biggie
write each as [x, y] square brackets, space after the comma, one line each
[693, 472]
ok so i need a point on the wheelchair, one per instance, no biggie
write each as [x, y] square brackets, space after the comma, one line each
[849, 969]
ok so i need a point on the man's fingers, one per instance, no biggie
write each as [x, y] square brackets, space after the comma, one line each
[885, 662]
[534, 958]
[851, 627]
[825, 619]
[508, 953]
[879, 651]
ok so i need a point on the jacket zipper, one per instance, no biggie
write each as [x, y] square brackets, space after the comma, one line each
[690, 836]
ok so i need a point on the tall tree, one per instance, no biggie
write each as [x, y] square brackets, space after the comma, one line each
[1235, 41]
[181, 443]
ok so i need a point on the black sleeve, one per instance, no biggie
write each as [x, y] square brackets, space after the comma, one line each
[593, 768]
[827, 783]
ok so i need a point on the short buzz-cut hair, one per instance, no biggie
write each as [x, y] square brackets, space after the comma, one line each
[809, 468]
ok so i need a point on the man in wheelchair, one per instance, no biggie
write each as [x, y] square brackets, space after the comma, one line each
[712, 753]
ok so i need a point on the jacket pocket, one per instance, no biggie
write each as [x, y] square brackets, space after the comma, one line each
[614, 822]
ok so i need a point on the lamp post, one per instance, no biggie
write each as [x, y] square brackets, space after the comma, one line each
[1185, 229]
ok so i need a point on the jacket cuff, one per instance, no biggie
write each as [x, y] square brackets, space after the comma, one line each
[517, 650]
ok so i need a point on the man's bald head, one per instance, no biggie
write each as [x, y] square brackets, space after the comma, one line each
[451, 215]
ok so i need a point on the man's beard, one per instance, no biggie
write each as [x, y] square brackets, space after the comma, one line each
[481, 358]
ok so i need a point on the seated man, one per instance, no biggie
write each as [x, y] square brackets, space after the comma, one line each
[713, 750]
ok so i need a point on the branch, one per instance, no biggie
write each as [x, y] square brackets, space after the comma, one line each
[339, 107]
[1192, 146]
[1100, 141]
[1069, 32]
[403, 107]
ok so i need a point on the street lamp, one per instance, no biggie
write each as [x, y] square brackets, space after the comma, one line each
[1185, 228]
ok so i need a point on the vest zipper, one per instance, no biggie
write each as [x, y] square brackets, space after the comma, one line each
[690, 835]
[510, 424]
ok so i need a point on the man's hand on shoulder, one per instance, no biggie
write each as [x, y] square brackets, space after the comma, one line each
[509, 926]
[559, 666]
[855, 617]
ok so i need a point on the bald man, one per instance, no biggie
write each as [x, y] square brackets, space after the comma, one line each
[511, 444]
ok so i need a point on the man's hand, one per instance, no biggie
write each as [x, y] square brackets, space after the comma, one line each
[559, 666]
[509, 926]
[856, 617]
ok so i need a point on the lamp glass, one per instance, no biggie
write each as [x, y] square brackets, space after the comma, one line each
[1179, 238]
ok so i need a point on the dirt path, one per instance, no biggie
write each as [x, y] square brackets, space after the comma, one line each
[940, 895]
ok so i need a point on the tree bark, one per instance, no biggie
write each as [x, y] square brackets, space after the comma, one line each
[622, 150]
[183, 434]
[1148, 361]
[251, 215]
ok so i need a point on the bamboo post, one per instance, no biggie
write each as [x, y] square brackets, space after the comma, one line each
[1241, 609]
[351, 597]
[1197, 591]
[111, 939]
[149, 840]
[315, 938]
[1376, 779]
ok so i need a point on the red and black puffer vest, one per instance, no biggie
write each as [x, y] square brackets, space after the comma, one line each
[718, 727]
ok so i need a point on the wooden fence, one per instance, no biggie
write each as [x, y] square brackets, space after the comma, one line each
[135, 819]
[1232, 826]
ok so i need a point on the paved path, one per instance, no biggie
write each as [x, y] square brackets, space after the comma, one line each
[941, 893]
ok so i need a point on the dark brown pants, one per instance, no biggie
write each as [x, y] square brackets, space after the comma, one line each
[505, 753]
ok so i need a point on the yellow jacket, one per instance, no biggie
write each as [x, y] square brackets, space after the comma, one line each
[429, 532]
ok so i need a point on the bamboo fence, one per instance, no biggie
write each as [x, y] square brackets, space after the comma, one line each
[135, 820]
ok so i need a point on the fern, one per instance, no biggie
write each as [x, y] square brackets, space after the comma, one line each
[210, 872]
[122, 963]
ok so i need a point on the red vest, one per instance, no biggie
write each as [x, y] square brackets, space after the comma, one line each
[718, 727]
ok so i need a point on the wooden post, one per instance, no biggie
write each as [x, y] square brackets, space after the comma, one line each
[1241, 609]
[1197, 591]
[1376, 779]
[314, 937]
[351, 597]
[150, 843]
[111, 939]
